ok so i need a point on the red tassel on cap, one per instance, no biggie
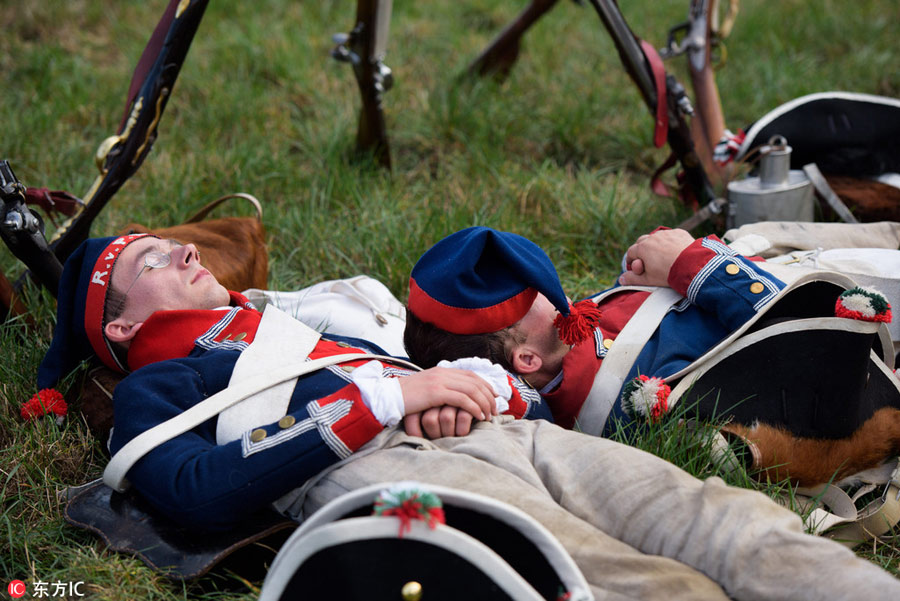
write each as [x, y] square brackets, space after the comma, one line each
[579, 324]
[48, 400]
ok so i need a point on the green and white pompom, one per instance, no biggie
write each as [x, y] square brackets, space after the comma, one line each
[864, 304]
[410, 501]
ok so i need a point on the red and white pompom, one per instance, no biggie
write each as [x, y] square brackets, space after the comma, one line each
[46, 401]
[864, 304]
[646, 397]
[408, 501]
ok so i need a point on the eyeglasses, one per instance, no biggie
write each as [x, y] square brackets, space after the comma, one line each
[155, 259]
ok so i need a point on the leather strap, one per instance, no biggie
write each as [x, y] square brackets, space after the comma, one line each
[279, 339]
[834, 201]
[207, 209]
[621, 356]
[53, 200]
[840, 507]
[656, 184]
[121, 462]
[875, 519]
[661, 125]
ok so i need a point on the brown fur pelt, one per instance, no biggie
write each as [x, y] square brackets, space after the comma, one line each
[811, 461]
[869, 200]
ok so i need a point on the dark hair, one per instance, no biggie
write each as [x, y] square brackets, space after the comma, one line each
[427, 344]
[113, 306]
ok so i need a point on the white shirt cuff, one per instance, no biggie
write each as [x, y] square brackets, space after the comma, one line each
[492, 373]
[381, 395]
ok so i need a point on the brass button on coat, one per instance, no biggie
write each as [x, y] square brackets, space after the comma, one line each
[411, 591]
[347, 368]
[286, 422]
[343, 344]
[756, 287]
[607, 343]
[732, 269]
[258, 435]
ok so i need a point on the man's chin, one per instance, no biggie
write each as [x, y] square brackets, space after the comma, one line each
[222, 296]
[215, 296]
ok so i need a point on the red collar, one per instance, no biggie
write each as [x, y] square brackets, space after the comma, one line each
[580, 364]
[173, 334]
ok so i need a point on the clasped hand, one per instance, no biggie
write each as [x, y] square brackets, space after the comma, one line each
[651, 257]
[445, 402]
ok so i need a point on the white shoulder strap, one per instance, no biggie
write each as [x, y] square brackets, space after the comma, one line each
[137, 447]
[621, 356]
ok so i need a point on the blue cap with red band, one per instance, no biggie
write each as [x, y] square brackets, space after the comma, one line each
[480, 280]
[79, 309]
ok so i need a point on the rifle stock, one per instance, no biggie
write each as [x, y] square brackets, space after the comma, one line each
[503, 51]
[364, 48]
[118, 157]
[679, 135]
[708, 122]
[499, 57]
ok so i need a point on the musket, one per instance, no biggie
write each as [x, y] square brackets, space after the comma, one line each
[503, 51]
[23, 232]
[696, 38]
[120, 155]
[364, 48]
[664, 96]
[117, 158]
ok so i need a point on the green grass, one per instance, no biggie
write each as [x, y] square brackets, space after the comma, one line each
[561, 152]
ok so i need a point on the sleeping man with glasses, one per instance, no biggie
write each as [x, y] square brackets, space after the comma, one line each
[636, 526]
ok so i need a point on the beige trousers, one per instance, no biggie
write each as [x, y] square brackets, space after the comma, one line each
[637, 526]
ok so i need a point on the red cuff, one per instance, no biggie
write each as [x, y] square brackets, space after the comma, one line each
[357, 427]
[689, 263]
[517, 405]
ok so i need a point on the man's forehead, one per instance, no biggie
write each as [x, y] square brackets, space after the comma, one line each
[161, 245]
[150, 244]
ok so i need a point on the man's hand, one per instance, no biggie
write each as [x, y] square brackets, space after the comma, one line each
[439, 422]
[650, 259]
[441, 386]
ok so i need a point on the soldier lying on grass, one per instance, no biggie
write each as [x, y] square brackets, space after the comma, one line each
[638, 527]
[811, 394]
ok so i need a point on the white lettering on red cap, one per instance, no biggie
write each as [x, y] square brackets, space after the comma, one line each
[98, 277]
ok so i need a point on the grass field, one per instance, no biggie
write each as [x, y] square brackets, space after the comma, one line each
[560, 152]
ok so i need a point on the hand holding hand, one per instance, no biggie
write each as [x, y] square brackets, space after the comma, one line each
[438, 422]
[650, 258]
[441, 386]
